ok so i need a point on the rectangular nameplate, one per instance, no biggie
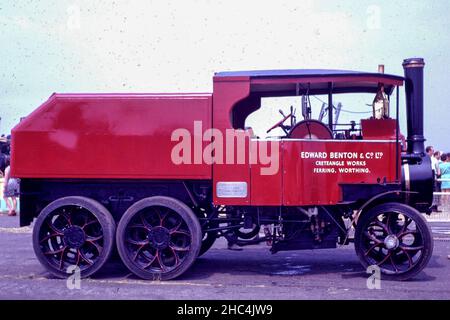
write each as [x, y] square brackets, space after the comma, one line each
[231, 189]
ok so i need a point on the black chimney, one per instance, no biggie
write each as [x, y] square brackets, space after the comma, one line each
[414, 104]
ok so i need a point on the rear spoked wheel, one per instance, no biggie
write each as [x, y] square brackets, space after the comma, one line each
[396, 238]
[158, 238]
[73, 233]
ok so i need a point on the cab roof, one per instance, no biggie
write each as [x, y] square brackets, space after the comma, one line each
[302, 73]
[314, 81]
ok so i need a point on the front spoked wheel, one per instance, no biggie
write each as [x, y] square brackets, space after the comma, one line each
[158, 238]
[396, 238]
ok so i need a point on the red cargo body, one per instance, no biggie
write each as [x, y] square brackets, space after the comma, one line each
[125, 136]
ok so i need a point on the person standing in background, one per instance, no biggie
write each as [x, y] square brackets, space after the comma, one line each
[434, 160]
[10, 191]
[437, 156]
[444, 167]
[2, 163]
[437, 172]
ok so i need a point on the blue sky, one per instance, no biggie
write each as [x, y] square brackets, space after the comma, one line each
[176, 46]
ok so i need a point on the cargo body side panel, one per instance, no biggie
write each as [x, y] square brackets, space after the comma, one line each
[109, 136]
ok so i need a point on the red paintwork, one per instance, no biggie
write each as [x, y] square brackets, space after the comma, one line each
[378, 129]
[128, 136]
[108, 136]
[226, 94]
[301, 186]
[266, 189]
[296, 183]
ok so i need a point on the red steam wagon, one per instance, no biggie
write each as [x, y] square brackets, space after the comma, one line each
[162, 176]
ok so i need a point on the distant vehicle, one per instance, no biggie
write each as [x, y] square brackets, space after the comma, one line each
[177, 171]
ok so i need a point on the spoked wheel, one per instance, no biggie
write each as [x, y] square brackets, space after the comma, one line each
[247, 234]
[73, 232]
[396, 238]
[158, 238]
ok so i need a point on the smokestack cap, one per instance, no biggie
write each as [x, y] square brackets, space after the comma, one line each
[413, 63]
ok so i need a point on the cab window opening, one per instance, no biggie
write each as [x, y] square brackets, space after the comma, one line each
[280, 114]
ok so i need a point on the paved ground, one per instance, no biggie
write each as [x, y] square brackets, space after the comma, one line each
[222, 274]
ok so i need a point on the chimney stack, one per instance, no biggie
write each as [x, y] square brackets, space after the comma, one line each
[413, 68]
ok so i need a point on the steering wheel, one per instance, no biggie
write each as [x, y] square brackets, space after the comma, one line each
[280, 123]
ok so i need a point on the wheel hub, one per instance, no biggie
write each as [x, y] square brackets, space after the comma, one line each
[74, 237]
[391, 242]
[159, 237]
